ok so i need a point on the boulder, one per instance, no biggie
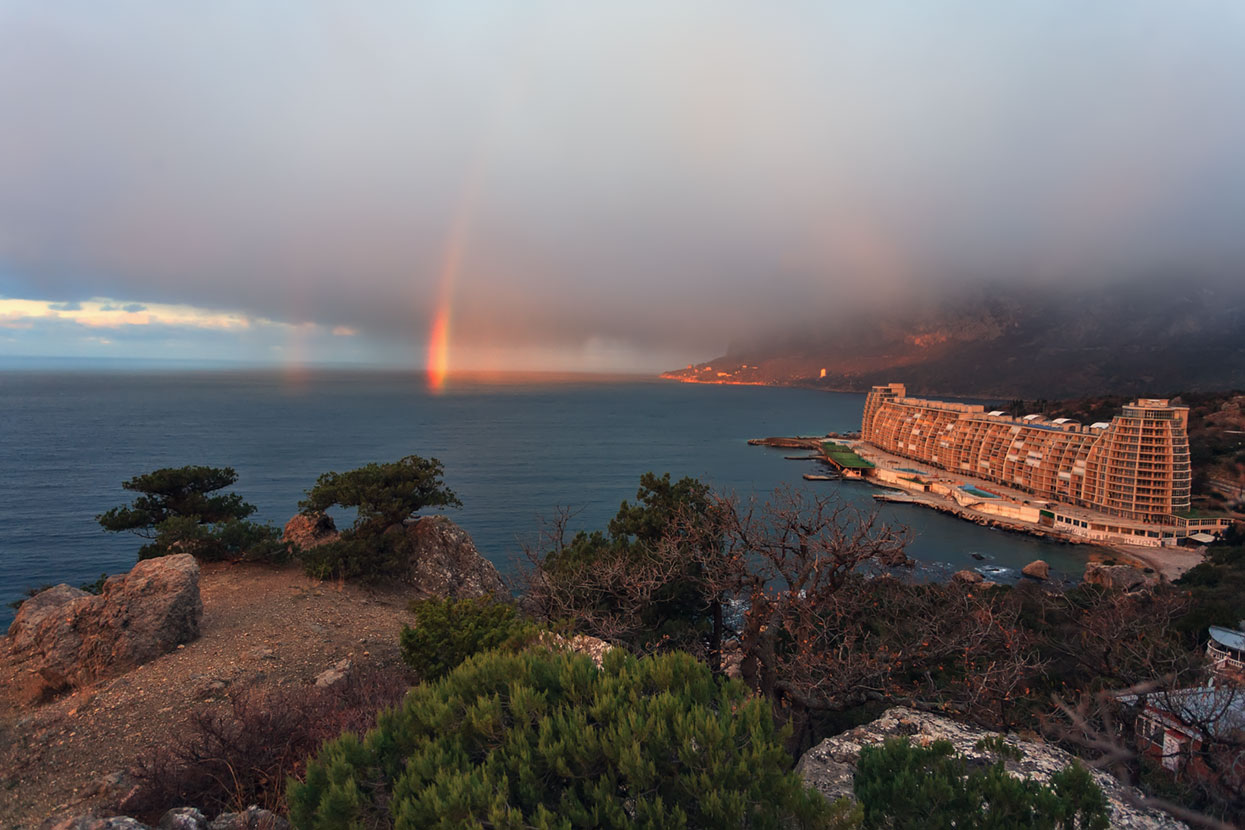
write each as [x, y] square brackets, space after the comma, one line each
[309, 530]
[444, 562]
[180, 818]
[1118, 577]
[967, 577]
[332, 677]
[1037, 569]
[252, 818]
[183, 818]
[96, 823]
[830, 766]
[138, 617]
[38, 608]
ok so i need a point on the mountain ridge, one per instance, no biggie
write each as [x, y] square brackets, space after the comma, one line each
[997, 342]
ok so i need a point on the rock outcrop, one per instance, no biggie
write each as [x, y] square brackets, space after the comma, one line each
[1119, 577]
[95, 823]
[64, 638]
[181, 818]
[1037, 569]
[592, 647]
[967, 577]
[445, 563]
[339, 673]
[307, 531]
[34, 611]
[830, 766]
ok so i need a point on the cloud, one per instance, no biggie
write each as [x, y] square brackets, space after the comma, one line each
[620, 185]
[98, 313]
[103, 328]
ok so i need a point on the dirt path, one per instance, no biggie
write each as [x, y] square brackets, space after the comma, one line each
[260, 625]
[1172, 563]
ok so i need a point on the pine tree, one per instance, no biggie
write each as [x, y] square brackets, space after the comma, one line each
[548, 740]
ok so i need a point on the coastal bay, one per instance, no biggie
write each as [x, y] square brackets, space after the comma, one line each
[514, 452]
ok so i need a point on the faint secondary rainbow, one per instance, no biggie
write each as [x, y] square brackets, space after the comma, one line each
[438, 366]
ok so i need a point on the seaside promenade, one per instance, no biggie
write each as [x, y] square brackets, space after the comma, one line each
[937, 485]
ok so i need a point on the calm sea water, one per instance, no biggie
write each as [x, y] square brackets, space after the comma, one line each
[514, 453]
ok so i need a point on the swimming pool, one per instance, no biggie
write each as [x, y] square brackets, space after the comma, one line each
[976, 491]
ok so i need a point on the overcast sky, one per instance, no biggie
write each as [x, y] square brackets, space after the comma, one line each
[584, 187]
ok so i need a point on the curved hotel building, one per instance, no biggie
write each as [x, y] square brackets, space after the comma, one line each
[1135, 467]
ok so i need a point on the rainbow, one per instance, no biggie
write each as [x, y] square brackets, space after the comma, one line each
[438, 361]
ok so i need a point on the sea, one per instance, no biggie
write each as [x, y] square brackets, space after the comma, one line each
[517, 451]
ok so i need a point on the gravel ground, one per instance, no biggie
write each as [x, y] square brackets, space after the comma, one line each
[266, 626]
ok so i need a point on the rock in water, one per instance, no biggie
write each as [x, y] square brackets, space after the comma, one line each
[307, 531]
[1118, 577]
[830, 766]
[968, 577]
[445, 563]
[1037, 569]
[69, 640]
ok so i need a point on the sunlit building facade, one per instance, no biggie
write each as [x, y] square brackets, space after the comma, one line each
[1135, 467]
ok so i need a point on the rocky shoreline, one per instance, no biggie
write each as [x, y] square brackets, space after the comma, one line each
[1163, 561]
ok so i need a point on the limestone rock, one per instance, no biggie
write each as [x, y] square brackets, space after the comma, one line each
[1118, 577]
[180, 818]
[968, 577]
[445, 562]
[37, 609]
[138, 617]
[96, 823]
[732, 659]
[1037, 569]
[113, 785]
[331, 677]
[183, 818]
[307, 531]
[593, 647]
[253, 818]
[830, 766]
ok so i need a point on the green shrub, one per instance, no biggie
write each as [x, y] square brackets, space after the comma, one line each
[368, 558]
[906, 787]
[547, 740]
[385, 496]
[448, 631]
[998, 745]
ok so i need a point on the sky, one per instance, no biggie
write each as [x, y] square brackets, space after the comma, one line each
[589, 186]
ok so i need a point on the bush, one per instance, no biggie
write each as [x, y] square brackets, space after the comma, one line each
[905, 787]
[245, 753]
[997, 745]
[368, 558]
[448, 631]
[548, 740]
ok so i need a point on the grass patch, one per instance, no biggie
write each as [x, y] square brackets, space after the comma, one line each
[844, 456]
